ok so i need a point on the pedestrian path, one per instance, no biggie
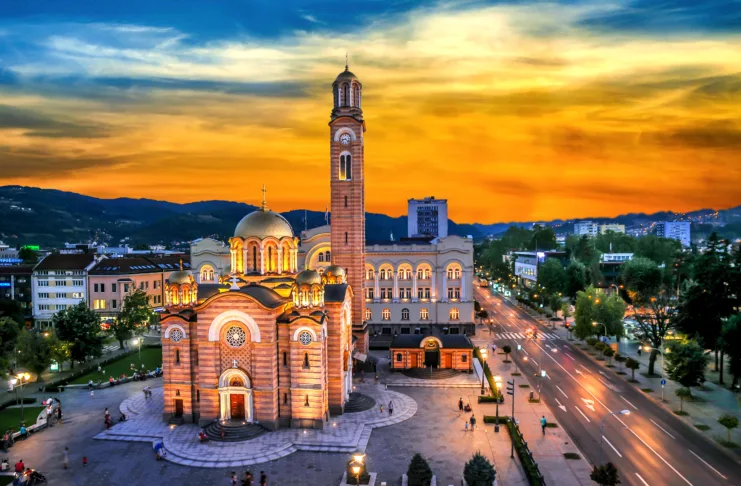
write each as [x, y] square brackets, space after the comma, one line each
[518, 335]
[345, 433]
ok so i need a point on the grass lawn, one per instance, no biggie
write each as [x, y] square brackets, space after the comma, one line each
[151, 357]
[11, 417]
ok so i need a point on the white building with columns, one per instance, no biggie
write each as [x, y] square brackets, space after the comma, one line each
[410, 286]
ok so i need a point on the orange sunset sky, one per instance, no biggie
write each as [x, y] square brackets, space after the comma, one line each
[513, 112]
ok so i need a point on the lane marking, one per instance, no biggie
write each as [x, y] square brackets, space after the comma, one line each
[582, 413]
[589, 404]
[613, 447]
[642, 480]
[604, 382]
[586, 369]
[708, 465]
[662, 428]
[567, 354]
[620, 420]
[626, 401]
[523, 348]
[559, 404]
[562, 393]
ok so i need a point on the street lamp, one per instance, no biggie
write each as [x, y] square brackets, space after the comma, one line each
[602, 426]
[140, 349]
[498, 384]
[20, 377]
[483, 352]
[356, 472]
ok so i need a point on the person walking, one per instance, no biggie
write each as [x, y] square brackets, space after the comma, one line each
[59, 414]
[391, 407]
[49, 415]
[263, 479]
[66, 457]
[234, 478]
[543, 423]
[473, 423]
[460, 404]
[466, 426]
[248, 479]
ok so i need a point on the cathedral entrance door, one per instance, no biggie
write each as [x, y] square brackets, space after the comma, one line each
[178, 407]
[432, 358]
[236, 404]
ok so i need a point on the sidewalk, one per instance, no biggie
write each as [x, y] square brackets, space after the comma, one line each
[547, 450]
[709, 401]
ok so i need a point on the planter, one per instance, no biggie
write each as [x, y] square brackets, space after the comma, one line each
[371, 481]
[405, 480]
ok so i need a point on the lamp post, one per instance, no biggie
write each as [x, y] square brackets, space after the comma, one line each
[140, 349]
[356, 465]
[602, 426]
[21, 377]
[483, 353]
[498, 384]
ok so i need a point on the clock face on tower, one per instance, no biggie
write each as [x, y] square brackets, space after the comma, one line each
[345, 138]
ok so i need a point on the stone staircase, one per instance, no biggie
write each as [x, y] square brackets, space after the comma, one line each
[430, 374]
[359, 403]
[233, 432]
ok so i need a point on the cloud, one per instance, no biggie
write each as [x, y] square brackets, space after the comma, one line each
[38, 124]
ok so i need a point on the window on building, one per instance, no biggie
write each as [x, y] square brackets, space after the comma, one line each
[346, 238]
[198, 395]
[102, 287]
[177, 356]
[464, 358]
[345, 201]
[78, 295]
[368, 314]
[369, 293]
[424, 314]
[345, 167]
[113, 287]
[386, 314]
[326, 256]
[285, 399]
[43, 295]
[285, 358]
[454, 273]
[114, 304]
[306, 361]
[99, 304]
[195, 357]
[95, 288]
[43, 283]
[454, 314]
[369, 274]
[321, 257]
[78, 283]
[398, 357]
[405, 314]
[126, 288]
[386, 331]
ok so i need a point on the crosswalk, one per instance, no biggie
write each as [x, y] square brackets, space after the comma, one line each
[519, 335]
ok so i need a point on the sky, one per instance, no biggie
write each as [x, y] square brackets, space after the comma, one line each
[513, 111]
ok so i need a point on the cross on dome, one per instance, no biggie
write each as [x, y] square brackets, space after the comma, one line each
[264, 198]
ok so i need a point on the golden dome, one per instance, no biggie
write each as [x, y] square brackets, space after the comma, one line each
[308, 277]
[262, 224]
[180, 277]
[335, 271]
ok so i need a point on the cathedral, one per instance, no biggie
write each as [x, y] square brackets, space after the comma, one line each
[265, 342]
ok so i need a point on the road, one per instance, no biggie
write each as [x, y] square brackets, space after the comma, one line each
[649, 446]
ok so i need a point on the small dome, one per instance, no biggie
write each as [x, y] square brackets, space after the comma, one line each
[262, 224]
[308, 277]
[180, 277]
[335, 271]
[346, 75]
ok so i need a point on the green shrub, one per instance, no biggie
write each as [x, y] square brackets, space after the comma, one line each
[528, 464]
[592, 341]
[419, 472]
[488, 399]
[478, 471]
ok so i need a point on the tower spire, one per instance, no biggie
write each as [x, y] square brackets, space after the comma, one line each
[264, 198]
[346, 63]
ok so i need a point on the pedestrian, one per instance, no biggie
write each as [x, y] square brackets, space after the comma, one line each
[92, 393]
[99, 369]
[49, 415]
[248, 479]
[473, 423]
[391, 407]
[639, 350]
[381, 409]
[376, 378]
[466, 425]
[66, 457]
[90, 385]
[460, 404]
[59, 415]
[263, 479]
[234, 478]
[543, 423]
[84, 460]
[106, 414]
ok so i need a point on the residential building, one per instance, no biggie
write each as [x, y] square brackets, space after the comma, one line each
[616, 257]
[8, 255]
[59, 281]
[674, 230]
[614, 227]
[528, 262]
[15, 284]
[112, 279]
[427, 217]
[588, 228]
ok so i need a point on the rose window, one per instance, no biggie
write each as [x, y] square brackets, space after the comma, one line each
[305, 338]
[176, 335]
[236, 337]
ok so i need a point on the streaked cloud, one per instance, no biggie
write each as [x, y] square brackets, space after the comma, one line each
[512, 111]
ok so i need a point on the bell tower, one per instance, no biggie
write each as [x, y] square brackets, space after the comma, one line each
[346, 136]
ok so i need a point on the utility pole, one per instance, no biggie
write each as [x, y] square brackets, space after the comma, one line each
[511, 391]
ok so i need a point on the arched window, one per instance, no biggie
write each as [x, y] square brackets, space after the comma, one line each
[254, 258]
[285, 358]
[398, 357]
[424, 314]
[454, 314]
[356, 95]
[454, 272]
[345, 167]
[386, 314]
[177, 356]
[336, 96]
[346, 94]
[270, 259]
[369, 274]
[345, 201]
[285, 399]
[346, 238]
[405, 314]
[326, 257]
[306, 361]
[368, 314]
[321, 257]
[236, 381]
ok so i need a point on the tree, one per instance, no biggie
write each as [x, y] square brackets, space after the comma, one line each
[576, 278]
[605, 475]
[478, 471]
[35, 350]
[610, 312]
[60, 352]
[586, 313]
[659, 250]
[28, 255]
[729, 422]
[80, 327]
[632, 365]
[9, 333]
[731, 344]
[552, 276]
[12, 309]
[507, 349]
[483, 314]
[612, 242]
[542, 239]
[608, 353]
[686, 363]
[645, 287]
[419, 472]
[682, 393]
[135, 312]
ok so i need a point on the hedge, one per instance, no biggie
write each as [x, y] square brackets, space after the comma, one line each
[534, 477]
[488, 399]
[489, 377]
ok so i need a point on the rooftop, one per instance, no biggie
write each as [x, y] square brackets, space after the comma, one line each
[66, 261]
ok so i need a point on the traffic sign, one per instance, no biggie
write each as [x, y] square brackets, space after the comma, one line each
[603, 339]
[663, 382]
